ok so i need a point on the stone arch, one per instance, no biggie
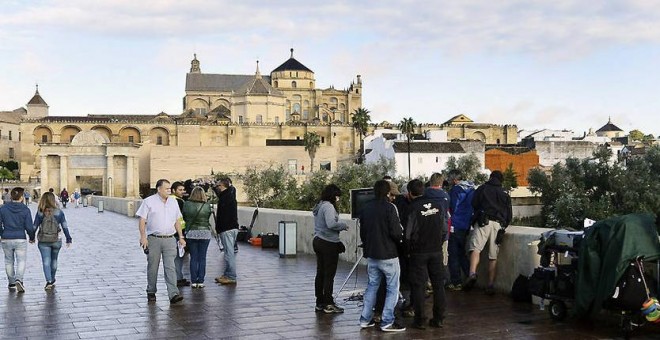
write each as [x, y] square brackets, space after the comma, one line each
[159, 136]
[42, 134]
[478, 135]
[130, 134]
[221, 102]
[68, 132]
[104, 130]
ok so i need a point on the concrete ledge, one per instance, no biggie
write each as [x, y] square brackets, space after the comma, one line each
[124, 206]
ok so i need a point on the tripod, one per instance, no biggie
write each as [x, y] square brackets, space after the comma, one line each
[357, 261]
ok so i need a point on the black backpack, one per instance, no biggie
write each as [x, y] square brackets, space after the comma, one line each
[49, 229]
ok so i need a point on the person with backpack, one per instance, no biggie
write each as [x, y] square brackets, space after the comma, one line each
[48, 223]
[15, 222]
[64, 197]
[460, 209]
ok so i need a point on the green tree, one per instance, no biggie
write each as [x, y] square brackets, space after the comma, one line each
[6, 174]
[361, 119]
[407, 126]
[312, 141]
[470, 167]
[510, 178]
[265, 185]
[636, 135]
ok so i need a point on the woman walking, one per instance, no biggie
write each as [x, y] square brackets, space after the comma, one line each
[327, 247]
[197, 213]
[48, 222]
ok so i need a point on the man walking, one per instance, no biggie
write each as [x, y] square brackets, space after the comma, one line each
[425, 233]
[492, 209]
[15, 222]
[159, 222]
[381, 233]
[460, 209]
[178, 191]
[226, 224]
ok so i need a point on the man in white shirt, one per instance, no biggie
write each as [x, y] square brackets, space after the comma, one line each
[159, 222]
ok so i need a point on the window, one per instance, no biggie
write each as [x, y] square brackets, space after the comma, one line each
[240, 119]
[131, 139]
[293, 84]
[322, 139]
[305, 114]
[44, 138]
[200, 111]
[296, 74]
[325, 166]
[9, 134]
[19, 136]
[11, 153]
[159, 140]
[436, 159]
[498, 141]
[311, 85]
[275, 84]
[296, 108]
[259, 119]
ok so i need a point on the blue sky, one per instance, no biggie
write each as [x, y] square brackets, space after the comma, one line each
[538, 64]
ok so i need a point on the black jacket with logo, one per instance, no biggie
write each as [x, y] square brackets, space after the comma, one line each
[380, 230]
[426, 226]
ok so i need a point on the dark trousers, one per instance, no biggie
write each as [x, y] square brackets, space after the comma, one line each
[458, 261]
[423, 266]
[327, 257]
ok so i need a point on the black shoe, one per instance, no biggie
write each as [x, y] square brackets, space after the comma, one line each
[332, 309]
[175, 299]
[182, 283]
[11, 286]
[470, 282]
[318, 308]
[393, 327]
[418, 325]
[151, 297]
[436, 323]
[49, 286]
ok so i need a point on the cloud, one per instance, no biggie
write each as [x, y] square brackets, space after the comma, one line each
[556, 28]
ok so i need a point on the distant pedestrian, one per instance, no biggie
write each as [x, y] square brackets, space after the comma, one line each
[159, 222]
[327, 248]
[26, 196]
[196, 213]
[64, 197]
[76, 198]
[48, 223]
[15, 223]
[6, 197]
[226, 225]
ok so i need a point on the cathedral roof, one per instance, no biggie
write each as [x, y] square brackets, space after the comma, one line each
[292, 65]
[11, 116]
[459, 119]
[219, 82]
[258, 85]
[609, 127]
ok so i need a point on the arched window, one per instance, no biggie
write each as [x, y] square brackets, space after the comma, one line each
[296, 107]
[293, 84]
[275, 84]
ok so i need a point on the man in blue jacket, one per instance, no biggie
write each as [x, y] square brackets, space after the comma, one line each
[460, 209]
[15, 223]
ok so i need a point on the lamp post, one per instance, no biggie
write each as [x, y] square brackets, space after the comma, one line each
[109, 186]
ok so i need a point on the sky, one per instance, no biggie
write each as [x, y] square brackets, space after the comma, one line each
[558, 64]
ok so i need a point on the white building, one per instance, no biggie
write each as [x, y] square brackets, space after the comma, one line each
[429, 153]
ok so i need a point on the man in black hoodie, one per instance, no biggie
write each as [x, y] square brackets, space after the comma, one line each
[226, 224]
[425, 233]
[492, 214]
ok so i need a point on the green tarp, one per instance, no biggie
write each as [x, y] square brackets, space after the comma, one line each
[605, 253]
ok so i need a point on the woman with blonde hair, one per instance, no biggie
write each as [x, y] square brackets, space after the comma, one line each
[48, 222]
[197, 213]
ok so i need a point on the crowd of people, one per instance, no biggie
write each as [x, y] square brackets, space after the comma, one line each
[402, 236]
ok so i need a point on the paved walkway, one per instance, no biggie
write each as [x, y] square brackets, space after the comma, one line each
[100, 293]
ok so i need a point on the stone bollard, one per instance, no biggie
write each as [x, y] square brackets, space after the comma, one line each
[130, 209]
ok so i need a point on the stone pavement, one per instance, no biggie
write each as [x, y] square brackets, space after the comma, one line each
[100, 294]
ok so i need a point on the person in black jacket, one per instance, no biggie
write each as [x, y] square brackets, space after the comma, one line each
[381, 233]
[226, 224]
[425, 233]
[492, 214]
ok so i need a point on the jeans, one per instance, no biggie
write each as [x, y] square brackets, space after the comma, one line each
[49, 252]
[15, 249]
[458, 261]
[198, 250]
[228, 240]
[376, 269]
[165, 248]
[327, 257]
[423, 266]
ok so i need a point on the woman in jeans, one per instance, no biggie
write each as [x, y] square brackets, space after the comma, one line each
[48, 210]
[196, 214]
[327, 247]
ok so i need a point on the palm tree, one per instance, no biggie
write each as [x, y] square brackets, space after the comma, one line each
[361, 121]
[312, 141]
[407, 127]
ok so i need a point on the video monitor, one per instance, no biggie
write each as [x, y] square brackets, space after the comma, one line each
[359, 198]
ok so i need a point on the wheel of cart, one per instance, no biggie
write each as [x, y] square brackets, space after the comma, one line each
[557, 310]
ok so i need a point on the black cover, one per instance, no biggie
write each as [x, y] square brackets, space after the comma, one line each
[270, 240]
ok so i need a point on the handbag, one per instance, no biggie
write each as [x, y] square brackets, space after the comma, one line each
[213, 232]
